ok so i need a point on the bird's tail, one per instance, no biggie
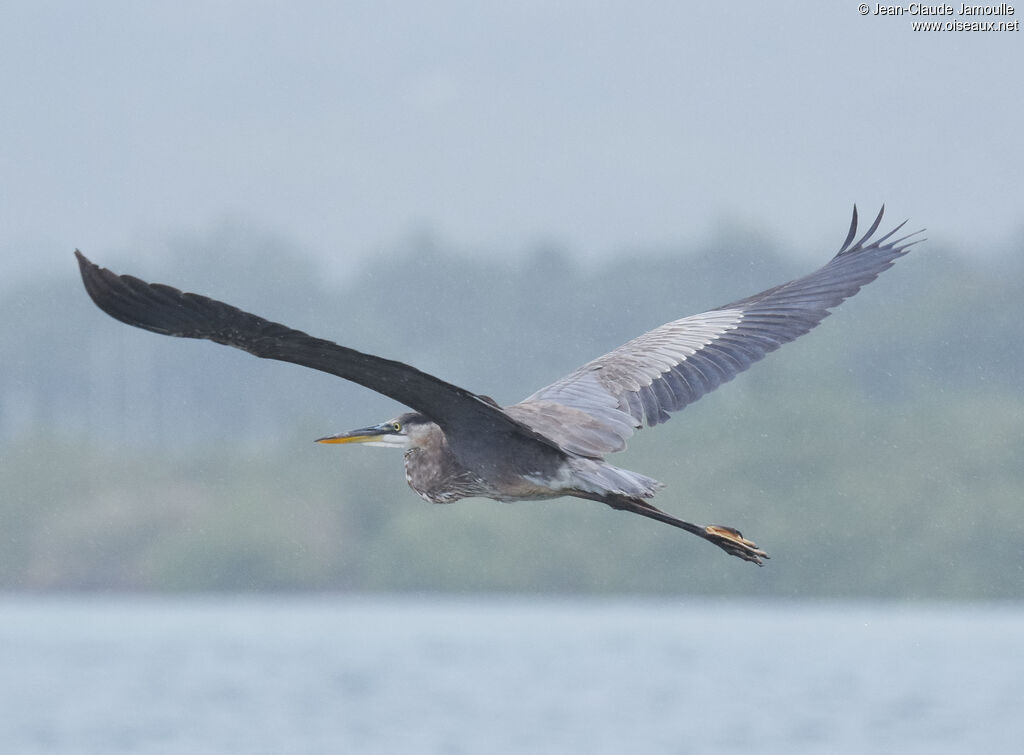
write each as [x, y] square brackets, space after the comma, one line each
[594, 476]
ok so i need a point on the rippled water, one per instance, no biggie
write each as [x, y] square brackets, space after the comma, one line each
[334, 674]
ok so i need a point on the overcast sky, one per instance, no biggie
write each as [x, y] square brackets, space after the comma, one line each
[348, 126]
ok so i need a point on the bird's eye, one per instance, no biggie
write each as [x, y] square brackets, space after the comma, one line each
[396, 426]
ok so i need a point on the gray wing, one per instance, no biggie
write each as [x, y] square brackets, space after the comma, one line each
[593, 410]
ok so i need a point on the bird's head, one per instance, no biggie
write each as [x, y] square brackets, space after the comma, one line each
[401, 432]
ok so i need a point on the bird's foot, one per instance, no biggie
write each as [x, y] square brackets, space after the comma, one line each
[732, 542]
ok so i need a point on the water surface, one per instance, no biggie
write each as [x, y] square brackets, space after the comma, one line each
[328, 674]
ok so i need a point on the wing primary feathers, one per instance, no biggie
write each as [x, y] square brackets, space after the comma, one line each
[166, 310]
[853, 230]
[872, 229]
[675, 364]
[658, 372]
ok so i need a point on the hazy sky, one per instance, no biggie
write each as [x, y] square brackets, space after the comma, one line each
[347, 126]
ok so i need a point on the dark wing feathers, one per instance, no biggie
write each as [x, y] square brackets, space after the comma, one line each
[166, 310]
[674, 365]
[591, 411]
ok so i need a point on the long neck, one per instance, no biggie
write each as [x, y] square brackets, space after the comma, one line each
[432, 470]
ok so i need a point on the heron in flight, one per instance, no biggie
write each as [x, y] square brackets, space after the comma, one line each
[553, 443]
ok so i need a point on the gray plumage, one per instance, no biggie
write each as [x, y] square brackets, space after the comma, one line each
[672, 366]
[553, 443]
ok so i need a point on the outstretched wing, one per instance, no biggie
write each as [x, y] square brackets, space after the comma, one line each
[166, 310]
[593, 410]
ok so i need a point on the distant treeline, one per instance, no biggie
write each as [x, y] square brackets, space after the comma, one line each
[878, 456]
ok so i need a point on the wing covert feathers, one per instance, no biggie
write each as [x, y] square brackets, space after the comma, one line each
[168, 311]
[673, 365]
[590, 412]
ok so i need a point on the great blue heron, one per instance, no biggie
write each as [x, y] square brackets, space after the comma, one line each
[553, 443]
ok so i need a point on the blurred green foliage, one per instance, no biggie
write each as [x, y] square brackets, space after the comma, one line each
[878, 456]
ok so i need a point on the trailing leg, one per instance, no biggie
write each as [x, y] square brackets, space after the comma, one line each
[727, 538]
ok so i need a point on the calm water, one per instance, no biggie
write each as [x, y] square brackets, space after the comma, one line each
[499, 675]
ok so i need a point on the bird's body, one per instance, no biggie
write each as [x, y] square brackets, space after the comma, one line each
[553, 443]
[537, 472]
[439, 475]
